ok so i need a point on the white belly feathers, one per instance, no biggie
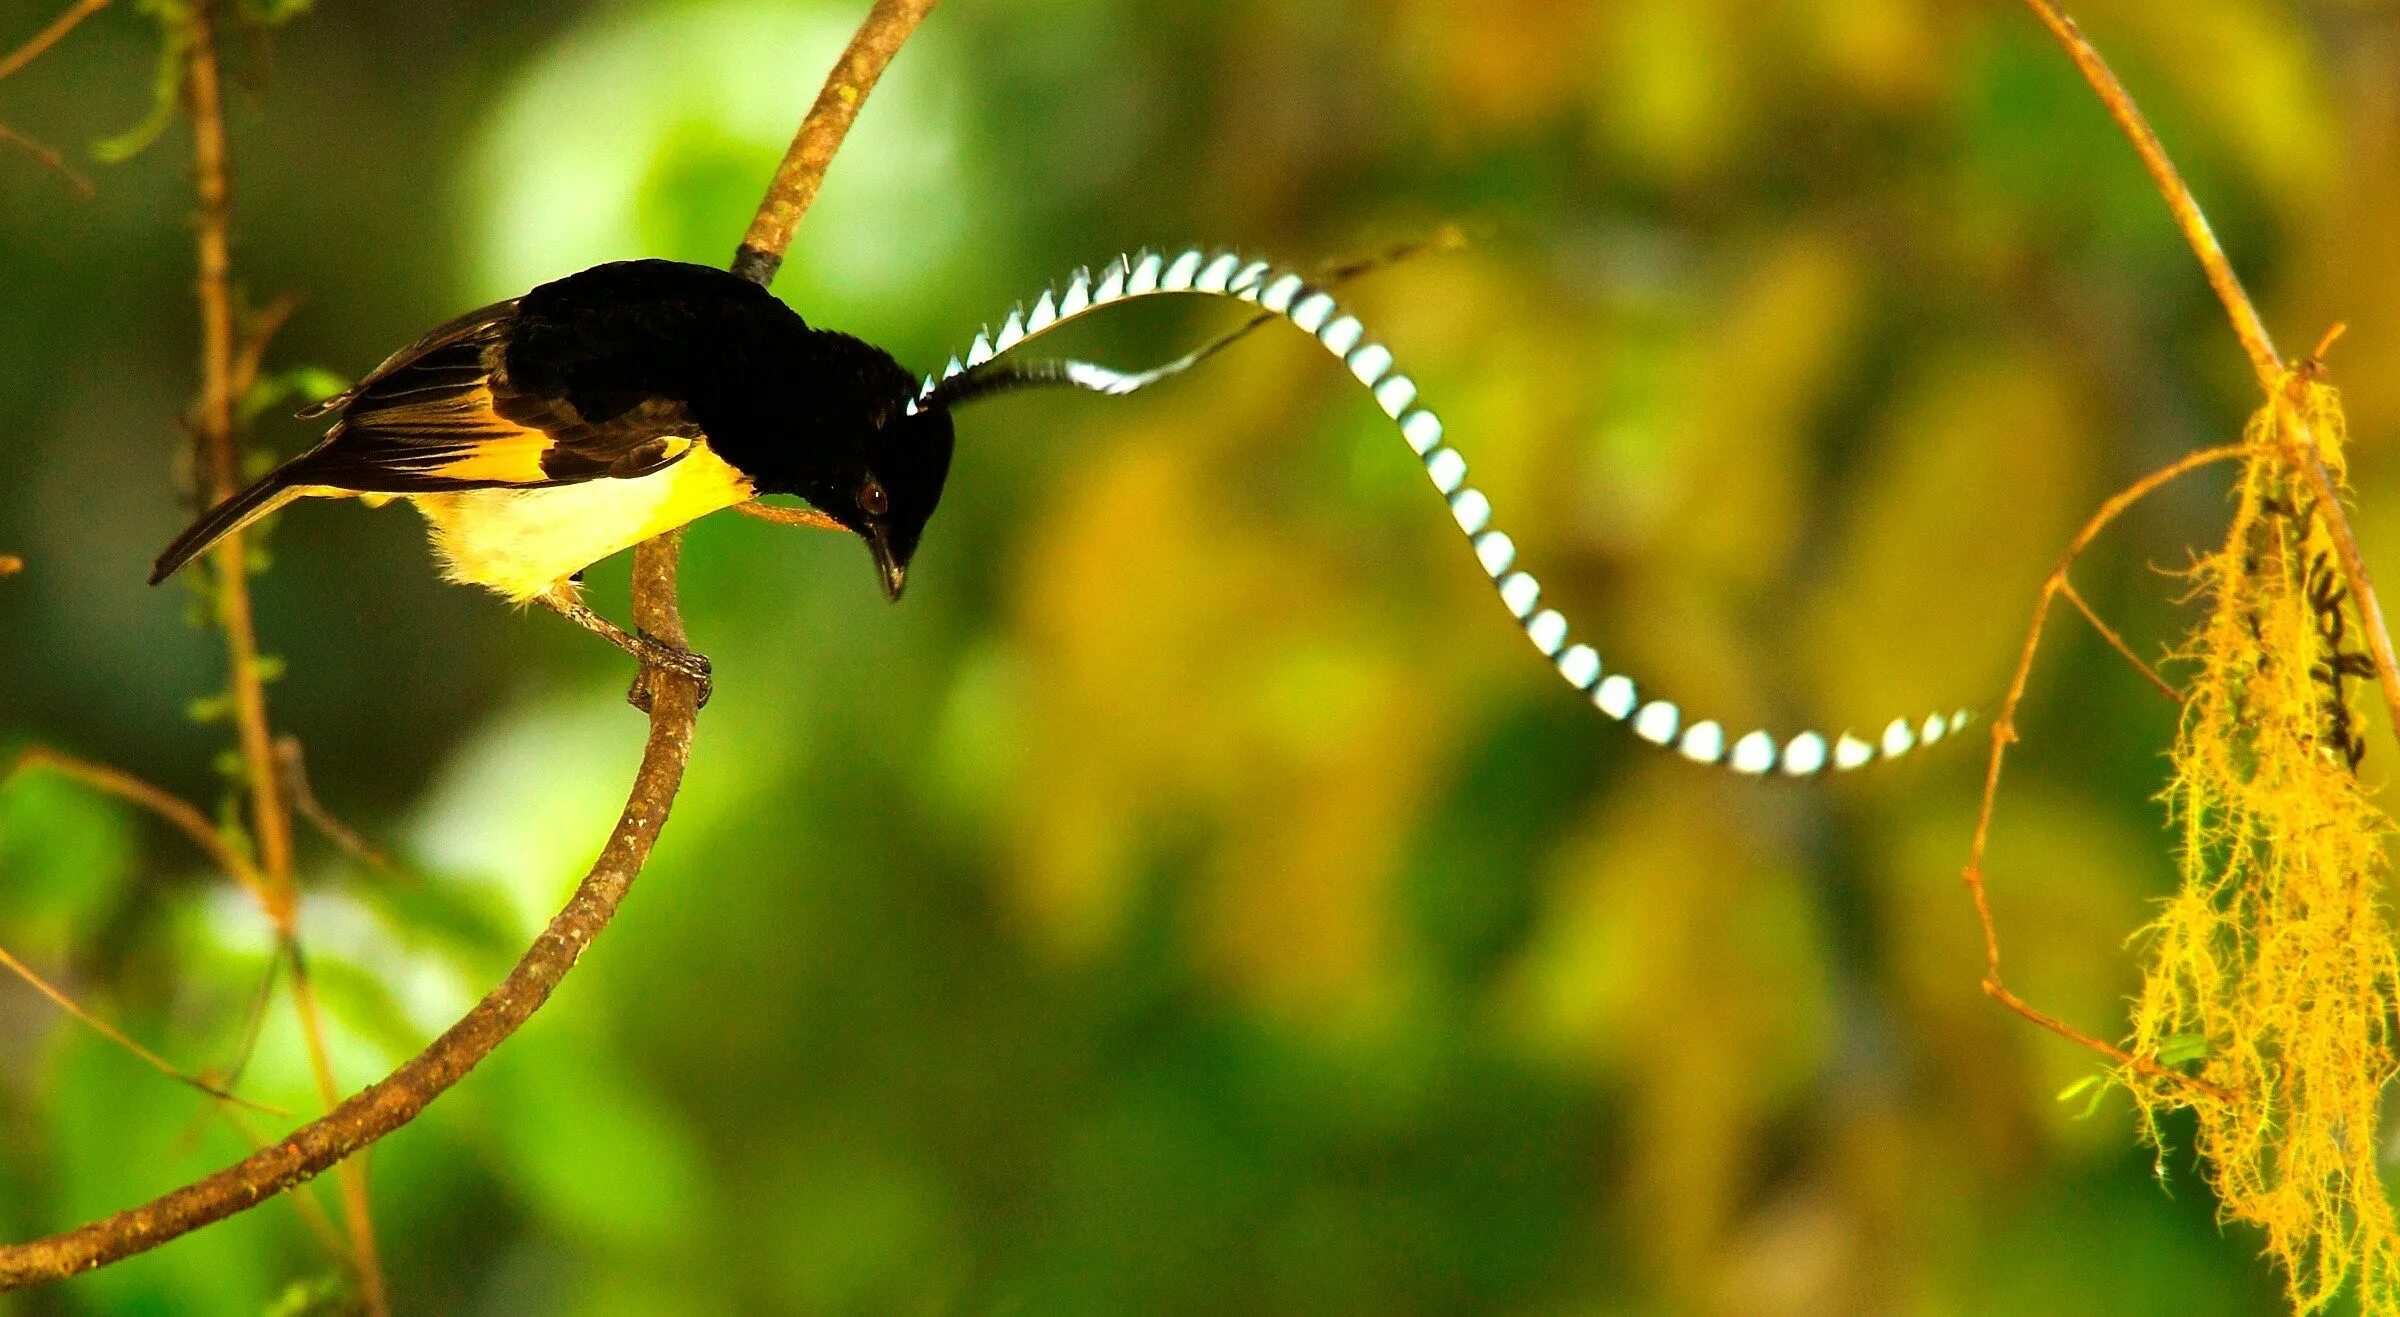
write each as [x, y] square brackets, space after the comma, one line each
[521, 542]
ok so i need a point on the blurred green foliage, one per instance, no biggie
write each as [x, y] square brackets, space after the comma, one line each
[1196, 897]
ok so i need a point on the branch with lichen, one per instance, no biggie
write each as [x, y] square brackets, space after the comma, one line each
[2271, 976]
[368, 1116]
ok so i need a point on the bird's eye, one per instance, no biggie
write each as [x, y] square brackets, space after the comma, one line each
[874, 500]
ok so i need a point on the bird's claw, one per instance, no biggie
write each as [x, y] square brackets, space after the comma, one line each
[657, 654]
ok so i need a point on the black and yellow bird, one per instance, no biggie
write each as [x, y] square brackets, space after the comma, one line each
[544, 433]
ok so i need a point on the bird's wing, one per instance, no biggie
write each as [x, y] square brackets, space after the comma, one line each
[445, 413]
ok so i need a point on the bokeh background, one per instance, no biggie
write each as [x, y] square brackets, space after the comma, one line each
[1196, 897]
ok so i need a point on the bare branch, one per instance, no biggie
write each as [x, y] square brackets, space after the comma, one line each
[2116, 642]
[112, 1033]
[2188, 216]
[388, 1105]
[49, 36]
[256, 335]
[304, 800]
[50, 159]
[220, 459]
[2004, 732]
[226, 363]
[181, 814]
[807, 518]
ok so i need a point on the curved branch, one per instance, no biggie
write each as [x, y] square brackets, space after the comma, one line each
[2004, 734]
[386, 1106]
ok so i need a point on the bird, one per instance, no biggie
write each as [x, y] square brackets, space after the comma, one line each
[541, 434]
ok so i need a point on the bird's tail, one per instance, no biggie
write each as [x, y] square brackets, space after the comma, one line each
[271, 491]
[1304, 301]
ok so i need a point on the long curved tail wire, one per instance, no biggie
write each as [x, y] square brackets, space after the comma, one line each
[1291, 296]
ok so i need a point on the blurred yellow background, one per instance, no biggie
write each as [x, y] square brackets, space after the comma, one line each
[1196, 896]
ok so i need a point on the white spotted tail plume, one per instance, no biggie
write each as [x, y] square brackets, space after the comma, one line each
[1310, 306]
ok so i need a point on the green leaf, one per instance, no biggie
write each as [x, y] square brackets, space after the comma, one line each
[2183, 1047]
[301, 384]
[2096, 1085]
[209, 709]
[166, 84]
[275, 13]
[316, 1296]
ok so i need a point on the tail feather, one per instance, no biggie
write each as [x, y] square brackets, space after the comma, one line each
[272, 491]
[1307, 304]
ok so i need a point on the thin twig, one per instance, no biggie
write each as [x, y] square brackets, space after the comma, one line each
[220, 457]
[2188, 216]
[802, 172]
[2004, 731]
[179, 813]
[2108, 633]
[49, 158]
[386, 1106]
[62, 1001]
[256, 335]
[808, 518]
[254, 1022]
[304, 800]
[49, 36]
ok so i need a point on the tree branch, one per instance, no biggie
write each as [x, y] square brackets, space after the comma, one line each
[394, 1102]
[2188, 216]
[386, 1106]
[304, 800]
[803, 169]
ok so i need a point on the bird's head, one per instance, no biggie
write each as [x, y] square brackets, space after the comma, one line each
[861, 457]
[905, 459]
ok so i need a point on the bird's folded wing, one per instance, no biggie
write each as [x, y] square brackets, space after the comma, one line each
[444, 414]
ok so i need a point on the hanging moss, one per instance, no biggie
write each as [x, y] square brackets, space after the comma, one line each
[2273, 970]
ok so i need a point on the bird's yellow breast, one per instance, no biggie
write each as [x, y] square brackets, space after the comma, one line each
[521, 542]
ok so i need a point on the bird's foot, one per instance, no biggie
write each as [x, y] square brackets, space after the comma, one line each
[657, 654]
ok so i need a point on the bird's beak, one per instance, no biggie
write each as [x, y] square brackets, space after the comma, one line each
[888, 566]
